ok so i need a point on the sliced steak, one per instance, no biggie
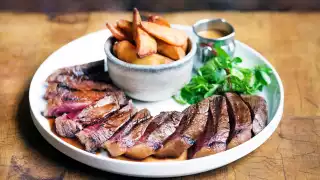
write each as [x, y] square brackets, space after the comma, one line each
[98, 112]
[259, 112]
[154, 138]
[90, 115]
[121, 97]
[57, 107]
[178, 143]
[53, 90]
[62, 100]
[214, 139]
[82, 84]
[240, 120]
[129, 134]
[66, 127]
[84, 71]
[84, 77]
[94, 136]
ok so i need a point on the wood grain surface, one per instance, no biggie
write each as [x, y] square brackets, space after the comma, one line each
[291, 41]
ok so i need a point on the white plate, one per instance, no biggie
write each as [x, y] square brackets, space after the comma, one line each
[90, 48]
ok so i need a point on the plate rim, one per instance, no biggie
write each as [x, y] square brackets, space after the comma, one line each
[258, 139]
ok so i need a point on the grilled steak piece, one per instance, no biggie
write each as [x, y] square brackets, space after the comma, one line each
[129, 134]
[99, 111]
[85, 71]
[259, 112]
[82, 84]
[153, 138]
[184, 139]
[66, 127]
[94, 136]
[121, 97]
[56, 107]
[84, 77]
[53, 90]
[214, 139]
[62, 100]
[90, 115]
[240, 120]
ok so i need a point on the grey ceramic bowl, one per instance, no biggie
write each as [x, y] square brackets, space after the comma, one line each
[146, 82]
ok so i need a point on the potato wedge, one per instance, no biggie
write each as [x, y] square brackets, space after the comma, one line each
[146, 45]
[154, 59]
[125, 26]
[125, 51]
[171, 36]
[173, 52]
[117, 33]
[136, 21]
[158, 20]
[161, 21]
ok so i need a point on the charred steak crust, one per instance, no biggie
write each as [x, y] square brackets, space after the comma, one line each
[83, 70]
[62, 100]
[129, 134]
[92, 137]
[85, 77]
[99, 111]
[240, 120]
[66, 127]
[90, 115]
[83, 84]
[154, 138]
[218, 142]
[213, 140]
[182, 141]
[259, 112]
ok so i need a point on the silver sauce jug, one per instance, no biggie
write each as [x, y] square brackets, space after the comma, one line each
[204, 49]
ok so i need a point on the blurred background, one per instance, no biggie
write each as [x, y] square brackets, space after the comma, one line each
[64, 6]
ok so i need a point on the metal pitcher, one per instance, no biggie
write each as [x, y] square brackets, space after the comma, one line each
[226, 42]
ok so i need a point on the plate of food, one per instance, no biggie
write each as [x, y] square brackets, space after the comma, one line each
[130, 100]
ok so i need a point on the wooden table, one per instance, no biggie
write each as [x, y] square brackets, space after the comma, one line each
[291, 41]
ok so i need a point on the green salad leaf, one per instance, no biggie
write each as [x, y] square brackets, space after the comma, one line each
[221, 74]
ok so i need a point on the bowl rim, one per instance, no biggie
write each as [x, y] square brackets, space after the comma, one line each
[175, 64]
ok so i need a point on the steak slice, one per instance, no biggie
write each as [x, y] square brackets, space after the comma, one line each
[259, 112]
[83, 77]
[53, 90]
[83, 84]
[129, 134]
[214, 139]
[99, 111]
[66, 127]
[56, 107]
[183, 140]
[83, 70]
[62, 100]
[92, 137]
[240, 120]
[75, 121]
[120, 96]
[154, 138]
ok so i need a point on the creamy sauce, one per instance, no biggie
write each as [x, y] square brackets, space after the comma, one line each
[75, 142]
[212, 34]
